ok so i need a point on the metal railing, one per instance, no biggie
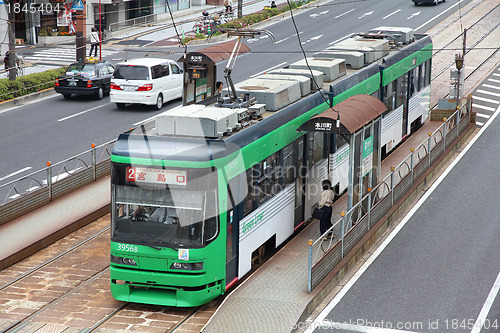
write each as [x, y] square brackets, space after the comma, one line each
[324, 253]
[132, 22]
[30, 192]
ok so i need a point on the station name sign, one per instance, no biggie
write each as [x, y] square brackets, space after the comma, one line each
[323, 126]
[156, 176]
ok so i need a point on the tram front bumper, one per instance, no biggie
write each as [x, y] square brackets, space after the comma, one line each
[159, 288]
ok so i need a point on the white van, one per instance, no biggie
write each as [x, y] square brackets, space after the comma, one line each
[150, 81]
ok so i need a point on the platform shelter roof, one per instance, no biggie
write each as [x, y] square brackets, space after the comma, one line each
[218, 53]
[354, 112]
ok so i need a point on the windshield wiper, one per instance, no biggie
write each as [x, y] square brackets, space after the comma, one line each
[165, 244]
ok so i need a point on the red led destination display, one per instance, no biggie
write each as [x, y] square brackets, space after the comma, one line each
[156, 176]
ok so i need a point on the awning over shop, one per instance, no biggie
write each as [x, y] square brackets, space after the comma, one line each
[355, 112]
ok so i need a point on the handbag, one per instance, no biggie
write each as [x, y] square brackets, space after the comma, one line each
[317, 213]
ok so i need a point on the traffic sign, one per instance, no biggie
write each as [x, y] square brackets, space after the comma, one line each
[77, 5]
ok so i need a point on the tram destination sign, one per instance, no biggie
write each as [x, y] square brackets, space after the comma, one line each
[156, 176]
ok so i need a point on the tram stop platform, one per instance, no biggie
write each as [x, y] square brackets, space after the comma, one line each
[275, 297]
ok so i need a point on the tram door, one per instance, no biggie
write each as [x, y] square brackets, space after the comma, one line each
[234, 214]
[300, 173]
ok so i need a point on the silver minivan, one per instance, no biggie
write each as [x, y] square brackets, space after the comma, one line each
[149, 81]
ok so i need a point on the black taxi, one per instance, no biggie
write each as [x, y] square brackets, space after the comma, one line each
[85, 78]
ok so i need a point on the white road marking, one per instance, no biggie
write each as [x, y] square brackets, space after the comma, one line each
[15, 173]
[284, 39]
[482, 115]
[80, 113]
[485, 99]
[316, 37]
[487, 92]
[29, 103]
[344, 13]
[413, 15]
[269, 69]
[394, 12]
[479, 106]
[491, 87]
[336, 300]
[340, 39]
[492, 80]
[366, 14]
[441, 13]
[44, 182]
[487, 306]
[360, 328]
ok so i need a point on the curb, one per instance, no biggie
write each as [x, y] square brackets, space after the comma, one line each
[21, 100]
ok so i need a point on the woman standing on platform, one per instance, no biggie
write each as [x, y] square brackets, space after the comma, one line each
[325, 205]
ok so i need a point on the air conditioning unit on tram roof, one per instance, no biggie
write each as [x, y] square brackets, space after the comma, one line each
[399, 34]
[198, 121]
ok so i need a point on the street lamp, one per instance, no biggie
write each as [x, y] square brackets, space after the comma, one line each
[459, 63]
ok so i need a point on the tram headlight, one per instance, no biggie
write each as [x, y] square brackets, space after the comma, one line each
[187, 266]
[123, 260]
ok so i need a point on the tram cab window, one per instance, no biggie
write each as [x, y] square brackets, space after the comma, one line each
[177, 216]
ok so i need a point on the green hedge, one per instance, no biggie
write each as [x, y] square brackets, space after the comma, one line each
[28, 84]
[251, 19]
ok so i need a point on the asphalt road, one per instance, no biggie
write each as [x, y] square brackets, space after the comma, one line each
[55, 129]
[439, 271]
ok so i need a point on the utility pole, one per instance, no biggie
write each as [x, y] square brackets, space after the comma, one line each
[240, 8]
[81, 29]
[12, 39]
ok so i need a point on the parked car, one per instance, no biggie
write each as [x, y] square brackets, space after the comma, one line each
[85, 78]
[420, 2]
[149, 81]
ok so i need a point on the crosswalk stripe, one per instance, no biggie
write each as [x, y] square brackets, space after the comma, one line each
[482, 115]
[493, 80]
[479, 106]
[486, 92]
[491, 86]
[486, 100]
[59, 55]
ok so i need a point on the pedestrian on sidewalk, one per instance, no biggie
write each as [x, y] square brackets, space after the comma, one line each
[325, 205]
[227, 4]
[94, 41]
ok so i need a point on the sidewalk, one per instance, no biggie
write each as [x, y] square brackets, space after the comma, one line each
[162, 30]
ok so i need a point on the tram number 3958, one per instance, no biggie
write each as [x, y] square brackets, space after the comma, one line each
[128, 248]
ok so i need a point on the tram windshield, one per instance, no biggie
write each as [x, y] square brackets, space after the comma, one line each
[161, 215]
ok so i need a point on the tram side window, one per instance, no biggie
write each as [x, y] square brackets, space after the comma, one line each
[248, 205]
[390, 95]
[420, 81]
[400, 90]
[413, 82]
[340, 141]
[427, 73]
[268, 177]
[315, 149]
[288, 169]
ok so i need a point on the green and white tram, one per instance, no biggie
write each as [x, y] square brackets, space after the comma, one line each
[190, 212]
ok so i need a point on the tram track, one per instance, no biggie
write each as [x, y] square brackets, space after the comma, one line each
[444, 56]
[79, 296]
